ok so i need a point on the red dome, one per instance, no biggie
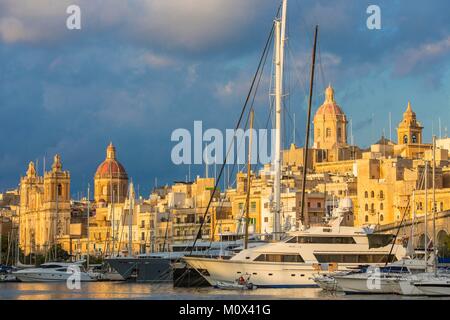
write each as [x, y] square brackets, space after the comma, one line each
[329, 108]
[110, 168]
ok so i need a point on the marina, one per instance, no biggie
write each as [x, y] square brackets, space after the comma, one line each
[324, 219]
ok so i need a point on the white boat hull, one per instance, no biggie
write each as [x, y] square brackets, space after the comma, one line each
[50, 277]
[372, 285]
[262, 274]
[434, 288]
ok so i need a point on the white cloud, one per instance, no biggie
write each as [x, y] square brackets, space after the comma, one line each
[415, 57]
[155, 60]
[189, 24]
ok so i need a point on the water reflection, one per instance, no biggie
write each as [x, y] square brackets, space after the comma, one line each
[127, 290]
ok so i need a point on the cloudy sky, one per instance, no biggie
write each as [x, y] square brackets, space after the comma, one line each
[139, 69]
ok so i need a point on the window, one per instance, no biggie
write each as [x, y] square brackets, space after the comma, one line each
[143, 224]
[354, 258]
[405, 139]
[372, 194]
[266, 219]
[328, 132]
[319, 205]
[59, 190]
[339, 133]
[372, 207]
[366, 219]
[381, 206]
[381, 217]
[381, 194]
[414, 138]
[366, 207]
[253, 206]
[143, 236]
[366, 194]
[272, 257]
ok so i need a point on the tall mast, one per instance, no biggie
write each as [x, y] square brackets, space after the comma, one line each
[414, 219]
[305, 218]
[282, 40]
[88, 235]
[249, 169]
[130, 219]
[277, 162]
[426, 216]
[434, 207]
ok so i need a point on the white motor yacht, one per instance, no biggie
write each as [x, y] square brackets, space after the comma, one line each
[293, 261]
[53, 272]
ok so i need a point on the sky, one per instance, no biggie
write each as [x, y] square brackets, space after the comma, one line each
[137, 70]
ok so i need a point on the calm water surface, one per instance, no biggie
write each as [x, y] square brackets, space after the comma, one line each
[143, 291]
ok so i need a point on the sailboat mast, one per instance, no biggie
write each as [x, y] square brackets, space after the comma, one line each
[130, 220]
[88, 235]
[279, 52]
[304, 218]
[426, 216]
[249, 169]
[434, 206]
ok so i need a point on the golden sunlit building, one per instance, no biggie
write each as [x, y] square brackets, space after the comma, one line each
[44, 211]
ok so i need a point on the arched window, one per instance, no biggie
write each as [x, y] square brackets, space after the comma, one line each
[59, 190]
[381, 217]
[414, 138]
[366, 219]
[372, 206]
[405, 139]
[328, 133]
[366, 194]
[366, 207]
[381, 194]
[381, 206]
[372, 194]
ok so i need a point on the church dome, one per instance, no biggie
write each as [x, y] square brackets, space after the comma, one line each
[111, 168]
[329, 106]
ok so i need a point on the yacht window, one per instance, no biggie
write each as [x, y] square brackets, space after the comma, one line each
[273, 257]
[353, 258]
[62, 269]
[334, 240]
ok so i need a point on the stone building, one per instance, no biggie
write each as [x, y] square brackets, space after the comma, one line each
[44, 211]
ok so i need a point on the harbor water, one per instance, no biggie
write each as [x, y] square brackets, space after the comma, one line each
[147, 291]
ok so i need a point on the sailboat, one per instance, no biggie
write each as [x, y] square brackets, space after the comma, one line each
[434, 283]
[295, 257]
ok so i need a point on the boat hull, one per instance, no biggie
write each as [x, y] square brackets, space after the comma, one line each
[368, 285]
[143, 270]
[50, 277]
[262, 274]
[433, 288]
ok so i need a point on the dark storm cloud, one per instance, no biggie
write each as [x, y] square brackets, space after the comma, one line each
[139, 69]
